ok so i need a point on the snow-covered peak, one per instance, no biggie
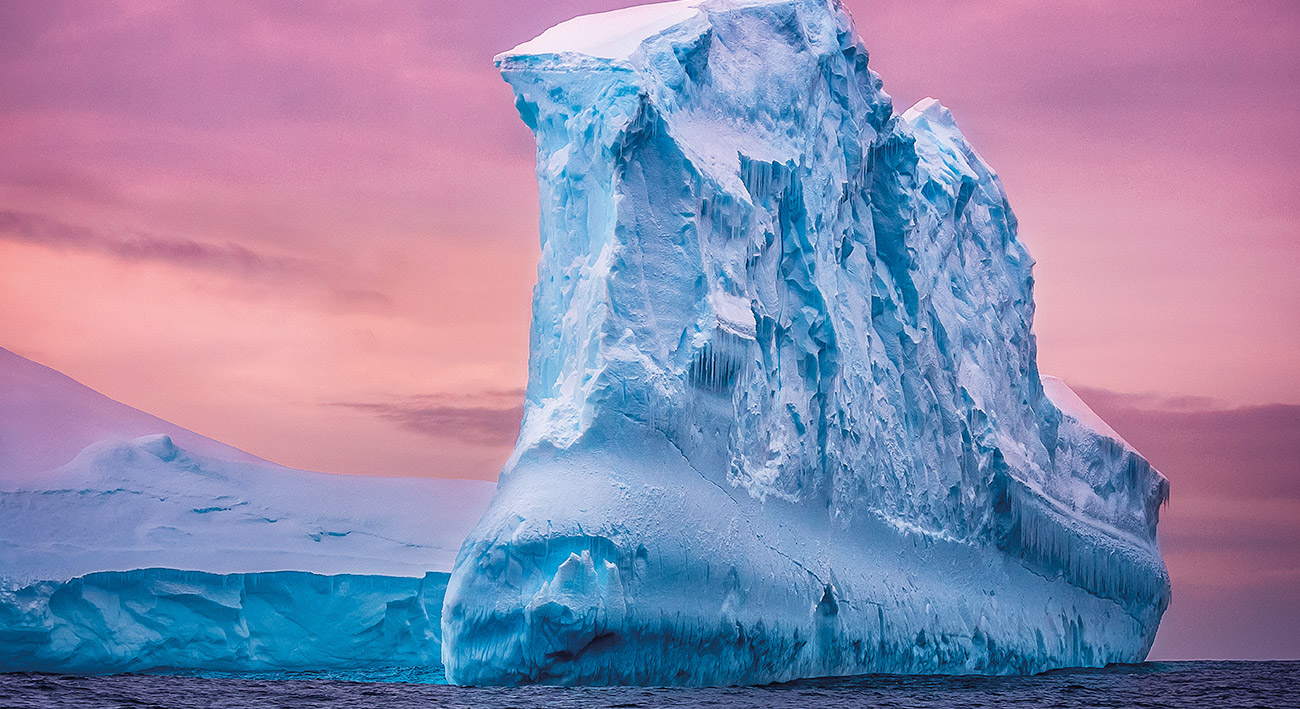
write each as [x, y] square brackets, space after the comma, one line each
[608, 35]
[932, 111]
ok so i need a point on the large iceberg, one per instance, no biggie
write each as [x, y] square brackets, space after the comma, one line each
[784, 417]
[129, 543]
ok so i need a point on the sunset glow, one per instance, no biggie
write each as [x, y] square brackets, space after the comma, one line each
[310, 230]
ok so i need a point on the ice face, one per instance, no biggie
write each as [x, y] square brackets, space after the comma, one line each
[130, 621]
[784, 417]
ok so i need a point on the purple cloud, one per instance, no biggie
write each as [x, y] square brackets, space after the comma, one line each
[139, 246]
[1251, 451]
[1231, 535]
[489, 418]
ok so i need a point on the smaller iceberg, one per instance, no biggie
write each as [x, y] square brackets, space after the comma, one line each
[141, 552]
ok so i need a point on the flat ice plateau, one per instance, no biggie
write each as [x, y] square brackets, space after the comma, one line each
[129, 543]
[784, 417]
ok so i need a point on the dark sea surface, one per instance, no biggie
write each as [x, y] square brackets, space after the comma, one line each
[1156, 684]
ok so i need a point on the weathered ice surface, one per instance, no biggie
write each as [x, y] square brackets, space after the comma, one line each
[124, 621]
[784, 417]
[130, 543]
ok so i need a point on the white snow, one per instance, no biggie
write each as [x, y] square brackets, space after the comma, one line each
[47, 418]
[929, 109]
[608, 35]
[131, 491]
[142, 503]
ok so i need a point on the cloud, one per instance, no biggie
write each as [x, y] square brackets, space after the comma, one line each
[1231, 537]
[226, 257]
[1206, 448]
[488, 418]
[361, 298]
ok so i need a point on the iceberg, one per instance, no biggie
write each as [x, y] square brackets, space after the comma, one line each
[128, 543]
[784, 417]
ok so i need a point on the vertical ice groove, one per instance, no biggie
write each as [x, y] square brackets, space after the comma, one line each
[783, 381]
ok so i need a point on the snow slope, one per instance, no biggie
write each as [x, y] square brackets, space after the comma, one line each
[784, 417]
[127, 542]
[122, 505]
[47, 418]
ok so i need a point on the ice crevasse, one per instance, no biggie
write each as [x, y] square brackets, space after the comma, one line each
[784, 417]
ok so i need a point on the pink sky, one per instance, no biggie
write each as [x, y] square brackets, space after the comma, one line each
[309, 229]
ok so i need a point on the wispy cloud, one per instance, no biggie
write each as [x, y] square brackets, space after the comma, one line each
[142, 246]
[487, 418]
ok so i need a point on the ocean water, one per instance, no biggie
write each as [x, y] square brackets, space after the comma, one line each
[1157, 684]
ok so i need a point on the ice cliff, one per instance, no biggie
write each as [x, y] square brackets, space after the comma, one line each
[784, 417]
[129, 543]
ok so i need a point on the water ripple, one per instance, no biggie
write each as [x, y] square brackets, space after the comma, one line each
[1226, 685]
